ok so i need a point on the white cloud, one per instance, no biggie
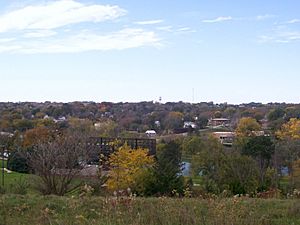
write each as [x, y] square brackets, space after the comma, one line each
[185, 30]
[86, 41]
[218, 19]
[51, 28]
[40, 34]
[5, 40]
[149, 22]
[293, 21]
[55, 14]
[264, 17]
[165, 28]
[280, 37]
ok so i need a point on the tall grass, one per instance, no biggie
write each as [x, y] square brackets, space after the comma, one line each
[35, 209]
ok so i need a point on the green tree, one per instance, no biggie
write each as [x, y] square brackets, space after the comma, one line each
[260, 148]
[208, 162]
[276, 114]
[288, 146]
[166, 174]
[240, 174]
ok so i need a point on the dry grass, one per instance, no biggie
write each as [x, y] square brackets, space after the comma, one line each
[53, 210]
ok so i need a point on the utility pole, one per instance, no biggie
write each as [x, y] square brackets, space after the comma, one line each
[2, 146]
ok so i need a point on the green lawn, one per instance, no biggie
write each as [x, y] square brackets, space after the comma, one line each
[13, 179]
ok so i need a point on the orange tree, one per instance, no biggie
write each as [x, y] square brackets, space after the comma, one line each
[127, 168]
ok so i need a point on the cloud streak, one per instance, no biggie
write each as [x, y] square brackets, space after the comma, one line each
[218, 19]
[54, 27]
[264, 17]
[85, 41]
[149, 22]
[293, 21]
[280, 37]
[57, 14]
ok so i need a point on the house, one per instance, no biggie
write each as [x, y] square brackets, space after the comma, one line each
[150, 133]
[189, 125]
[218, 122]
[226, 138]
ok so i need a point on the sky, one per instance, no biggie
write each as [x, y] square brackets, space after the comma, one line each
[132, 50]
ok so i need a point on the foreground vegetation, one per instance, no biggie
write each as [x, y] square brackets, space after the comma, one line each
[35, 209]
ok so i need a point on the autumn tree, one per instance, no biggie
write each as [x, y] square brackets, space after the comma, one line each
[247, 127]
[107, 128]
[35, 135]
[173, 120]
[127, 168]
[290, 130]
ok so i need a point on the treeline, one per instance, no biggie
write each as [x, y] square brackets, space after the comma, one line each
[255, 165]
[142, 116]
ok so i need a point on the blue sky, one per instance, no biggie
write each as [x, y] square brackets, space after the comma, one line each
[195, 50]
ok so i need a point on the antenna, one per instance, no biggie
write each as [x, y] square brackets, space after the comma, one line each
[193, 95]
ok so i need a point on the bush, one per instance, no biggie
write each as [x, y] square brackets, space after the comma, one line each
[18, 162]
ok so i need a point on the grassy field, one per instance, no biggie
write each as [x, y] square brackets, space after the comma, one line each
[35, 209]
[14, 180]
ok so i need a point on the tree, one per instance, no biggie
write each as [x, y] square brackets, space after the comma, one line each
[127, 168]
[288, 146]
[276, 114]
[166, 175]
[261, 148]
[192, 145]
[173, 120]
[207, 162]
[290, 130]
[22, 124]
[217, 114]
[56, 164]
[247, 127]
[35, 135]
[240, 174]
[107, 128]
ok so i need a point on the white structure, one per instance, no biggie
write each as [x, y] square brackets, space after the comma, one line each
[150, 133]
[189, 124]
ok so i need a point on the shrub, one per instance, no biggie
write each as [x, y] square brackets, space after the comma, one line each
[18, 162]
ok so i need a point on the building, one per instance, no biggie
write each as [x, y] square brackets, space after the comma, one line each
[150, 133]
[226, 138]
[218, 122]
[189, 125]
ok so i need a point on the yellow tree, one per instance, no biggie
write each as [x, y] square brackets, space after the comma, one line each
[290, 130]
[127, 167]
[247, 127]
